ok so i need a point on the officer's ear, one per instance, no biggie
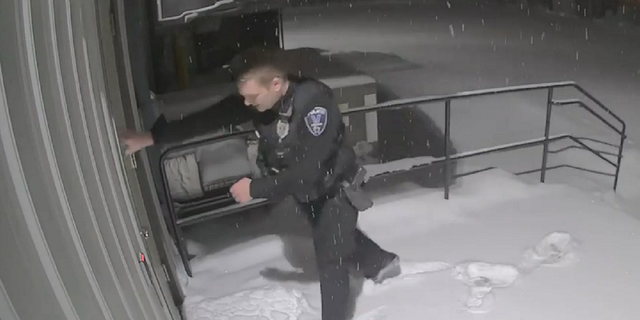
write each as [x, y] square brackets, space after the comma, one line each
[276, 83]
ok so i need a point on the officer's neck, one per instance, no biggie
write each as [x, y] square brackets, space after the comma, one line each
[283, 94]
[285, 88]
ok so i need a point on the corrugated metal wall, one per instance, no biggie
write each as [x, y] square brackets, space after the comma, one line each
[69, 240]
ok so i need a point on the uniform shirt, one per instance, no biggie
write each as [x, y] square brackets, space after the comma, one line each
[312, 142]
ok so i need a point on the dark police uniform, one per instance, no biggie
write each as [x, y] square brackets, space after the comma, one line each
[301, 154]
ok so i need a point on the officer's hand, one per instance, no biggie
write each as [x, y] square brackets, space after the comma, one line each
[241, 190]
[136, 141]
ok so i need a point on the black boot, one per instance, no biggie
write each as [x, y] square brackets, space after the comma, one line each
[374, 262]
[390, 270]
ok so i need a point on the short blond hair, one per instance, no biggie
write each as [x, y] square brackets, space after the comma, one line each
[260, 63]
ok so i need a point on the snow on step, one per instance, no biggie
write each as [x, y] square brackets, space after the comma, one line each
[269, 303]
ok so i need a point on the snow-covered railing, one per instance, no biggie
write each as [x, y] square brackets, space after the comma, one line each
[447, 99]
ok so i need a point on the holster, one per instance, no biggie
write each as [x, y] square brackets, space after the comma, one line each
[356, 196]
[347, 177]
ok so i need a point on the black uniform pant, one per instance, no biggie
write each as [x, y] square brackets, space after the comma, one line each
[340, 245]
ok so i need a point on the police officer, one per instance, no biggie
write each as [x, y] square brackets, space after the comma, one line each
[301, 154]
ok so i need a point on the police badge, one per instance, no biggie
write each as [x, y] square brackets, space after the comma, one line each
[316, 120]
[282, 129]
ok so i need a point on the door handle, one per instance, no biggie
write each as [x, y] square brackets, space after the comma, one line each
[133, 161]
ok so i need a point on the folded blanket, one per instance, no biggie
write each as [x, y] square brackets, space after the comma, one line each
[183, 178]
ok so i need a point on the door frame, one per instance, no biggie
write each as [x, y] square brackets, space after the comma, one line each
[114, 34]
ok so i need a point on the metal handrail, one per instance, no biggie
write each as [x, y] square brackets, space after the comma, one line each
[404, 103]
[621, 132]
[411, 102]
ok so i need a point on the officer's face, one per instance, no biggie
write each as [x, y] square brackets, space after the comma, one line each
[260, 96]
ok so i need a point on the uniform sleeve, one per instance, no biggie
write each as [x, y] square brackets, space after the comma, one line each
[230, 111]
[317, 131]
[260, 160]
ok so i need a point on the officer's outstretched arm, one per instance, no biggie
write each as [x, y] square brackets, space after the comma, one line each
[230, 111]
[321, 120]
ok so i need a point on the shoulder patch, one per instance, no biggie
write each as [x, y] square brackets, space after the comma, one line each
[316, 120]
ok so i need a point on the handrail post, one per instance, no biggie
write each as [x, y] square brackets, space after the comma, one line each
[620, 149]
[547, 127]
[447, 151]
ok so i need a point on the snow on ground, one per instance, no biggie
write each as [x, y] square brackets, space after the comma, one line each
[475, 253]
[502, 247]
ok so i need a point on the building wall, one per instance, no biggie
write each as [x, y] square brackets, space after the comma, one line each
[71, 243]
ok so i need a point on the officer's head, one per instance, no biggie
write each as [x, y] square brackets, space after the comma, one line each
[261, 77]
